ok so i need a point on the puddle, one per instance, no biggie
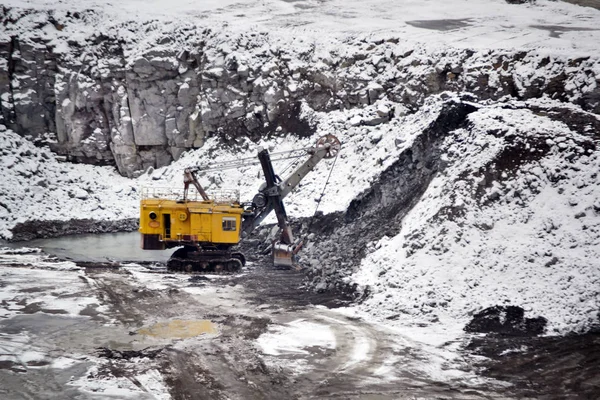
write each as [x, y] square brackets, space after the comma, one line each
[180, 329]
[557, 30]
[124, 246]
[43, 324]
[60, 332]
[440, 24]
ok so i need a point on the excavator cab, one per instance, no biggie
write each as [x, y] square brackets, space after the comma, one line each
[167, 221]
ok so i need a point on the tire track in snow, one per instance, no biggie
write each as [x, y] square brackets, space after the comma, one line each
[362, 344]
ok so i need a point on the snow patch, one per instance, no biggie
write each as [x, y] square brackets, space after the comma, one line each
[295, 337]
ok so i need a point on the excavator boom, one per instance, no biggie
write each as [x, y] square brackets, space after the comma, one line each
[275, 190]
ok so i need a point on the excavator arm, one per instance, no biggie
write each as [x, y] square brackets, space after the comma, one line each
[206, 231]
[273, 191]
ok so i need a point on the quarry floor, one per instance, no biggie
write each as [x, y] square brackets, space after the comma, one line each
[102, 328]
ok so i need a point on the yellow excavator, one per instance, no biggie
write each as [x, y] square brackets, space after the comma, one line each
[208, 227]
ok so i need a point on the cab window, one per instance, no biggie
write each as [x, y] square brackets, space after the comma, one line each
[228, 224]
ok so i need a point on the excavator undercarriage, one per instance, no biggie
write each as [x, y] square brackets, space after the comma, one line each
[203, 260]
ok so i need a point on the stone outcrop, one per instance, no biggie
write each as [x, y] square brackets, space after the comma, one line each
[102, 99]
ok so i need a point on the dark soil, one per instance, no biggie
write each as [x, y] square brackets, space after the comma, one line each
[53, 228]
[543, 367]
[287, 288]
[105, 352]
[585, 3]
[507, 321]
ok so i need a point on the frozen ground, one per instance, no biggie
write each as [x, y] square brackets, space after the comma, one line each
[137, 332]
[546, 25]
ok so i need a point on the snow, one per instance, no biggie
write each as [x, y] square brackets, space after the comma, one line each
[63, 362]
[292, 344]
[37, 186]
[294, 337]
[52, 289]
[146, 385]
[531, 240]
[363, 345]
[32, 257]
[544, 25]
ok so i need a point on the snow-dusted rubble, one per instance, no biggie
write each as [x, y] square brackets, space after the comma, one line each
[514, 219]
[148, 384]
[37, 186]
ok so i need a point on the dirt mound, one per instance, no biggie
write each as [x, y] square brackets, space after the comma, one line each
[340, 240]
[508, 321]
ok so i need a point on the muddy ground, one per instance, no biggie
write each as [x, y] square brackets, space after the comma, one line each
[543, 367]
[123, 330]
[585, 3]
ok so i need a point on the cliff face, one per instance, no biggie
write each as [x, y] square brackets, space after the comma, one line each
[137, 95]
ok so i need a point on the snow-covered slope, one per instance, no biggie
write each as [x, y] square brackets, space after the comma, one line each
[514, 219]
[36, 186]
[543, 24]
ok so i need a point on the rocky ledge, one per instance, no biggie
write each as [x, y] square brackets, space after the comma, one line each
[102, 95]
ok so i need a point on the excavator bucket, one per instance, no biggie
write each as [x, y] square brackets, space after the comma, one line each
[282, 255]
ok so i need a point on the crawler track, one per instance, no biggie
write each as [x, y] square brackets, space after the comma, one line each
[206, 261]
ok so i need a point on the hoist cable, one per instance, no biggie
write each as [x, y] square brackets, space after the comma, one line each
[288, 167]
[241, 162]
[322, 194]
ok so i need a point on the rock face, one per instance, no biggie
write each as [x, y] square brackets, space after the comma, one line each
[104, 99]
[509, 321]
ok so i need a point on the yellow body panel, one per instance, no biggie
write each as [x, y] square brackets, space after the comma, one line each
[201, 226]
[168, 222]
